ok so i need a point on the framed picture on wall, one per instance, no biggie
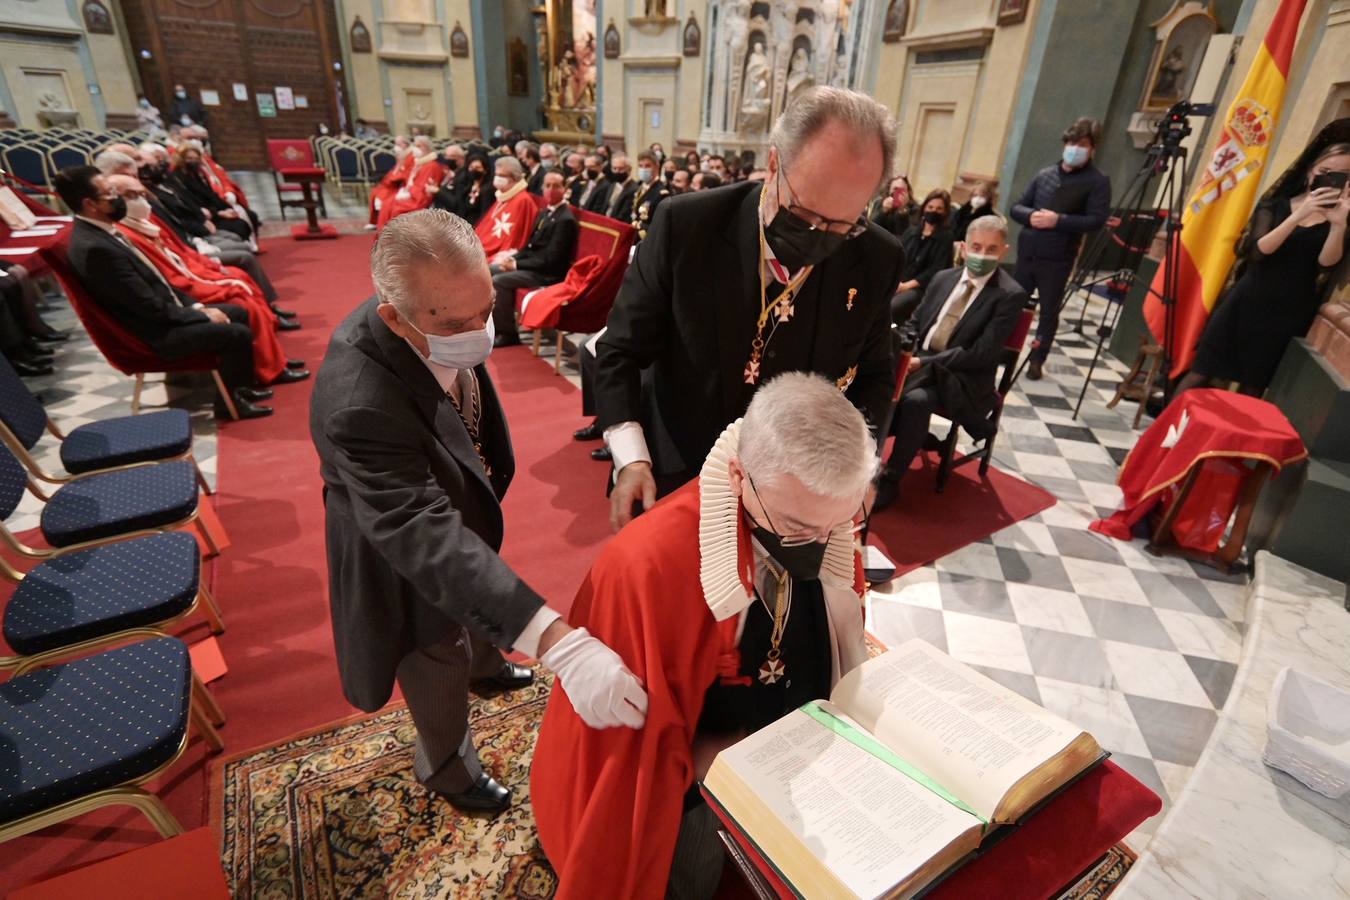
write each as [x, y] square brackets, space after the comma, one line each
[97, 19]
[897, 19]
[693, 37]
[359, 36]
[517, 68]
[611, 41]
[1012, 12]
[459, 42]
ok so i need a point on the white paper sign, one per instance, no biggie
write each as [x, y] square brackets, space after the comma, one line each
[285, 99]
[210, 98]
[240, 91]
[301, 101]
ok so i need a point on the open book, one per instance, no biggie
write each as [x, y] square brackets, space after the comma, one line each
[13, 211]
[914, 759]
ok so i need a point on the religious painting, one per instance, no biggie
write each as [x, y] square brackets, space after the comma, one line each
[897, 18]
[654, 9]
[97, 19]
[1182, 36]
[585, 53]
[517, 68]
[360, 36]
[611, 41]
[1012, 12]
[693, 37]
[459, 42]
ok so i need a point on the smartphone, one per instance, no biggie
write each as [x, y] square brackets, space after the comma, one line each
[1330, 180]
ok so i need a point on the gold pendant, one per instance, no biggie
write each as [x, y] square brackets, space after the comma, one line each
[785, 310]
[852, 292]
[752, 372]
[772, 670]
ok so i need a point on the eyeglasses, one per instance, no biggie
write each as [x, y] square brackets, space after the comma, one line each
[815, 220]
[801, 538]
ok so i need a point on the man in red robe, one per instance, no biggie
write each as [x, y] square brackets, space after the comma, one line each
[392, 181]
[225, 187]
[205, 280]
[735, 600]
[426, 172]
[507, 225]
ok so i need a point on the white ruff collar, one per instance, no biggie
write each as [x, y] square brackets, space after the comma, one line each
[719, 524]
[503, 196]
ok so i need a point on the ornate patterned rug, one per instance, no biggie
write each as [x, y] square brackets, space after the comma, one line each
[337, 812]
[1102, 878]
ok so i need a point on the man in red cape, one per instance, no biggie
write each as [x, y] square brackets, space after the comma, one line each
[734, 600]
[508, 222]
[225, 187]
[426, 171]
[392, 181]
[205, 280]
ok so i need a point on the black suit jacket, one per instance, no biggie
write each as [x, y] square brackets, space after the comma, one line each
[184, 207]
[621, 196]
[127, 288]
[413, 523]
[964, 373]
[535, 180]
[552, 244]
[688, 306]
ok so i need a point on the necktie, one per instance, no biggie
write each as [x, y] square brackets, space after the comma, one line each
[952, 317]
[135, 251]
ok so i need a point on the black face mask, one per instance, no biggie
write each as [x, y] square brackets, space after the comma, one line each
[592, 175]
[618, 177]
[933, 217]
[151, 174]
[802, 563]
[477, 174]
[119, 209]
[452, 164]
[797, 244]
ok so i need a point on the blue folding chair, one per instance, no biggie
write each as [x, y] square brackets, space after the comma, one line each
[100, 446]
[28, 161]
[86, 735]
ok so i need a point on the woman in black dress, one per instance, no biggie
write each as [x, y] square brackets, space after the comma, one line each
[928, 247]
[1297, 234]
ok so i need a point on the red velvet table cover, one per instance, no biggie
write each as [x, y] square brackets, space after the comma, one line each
[1212, 423]
[303, 173]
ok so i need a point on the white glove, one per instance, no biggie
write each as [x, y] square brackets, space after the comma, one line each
[205, 249]
[602, 690]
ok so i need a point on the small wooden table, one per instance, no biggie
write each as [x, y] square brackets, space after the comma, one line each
[311, 181]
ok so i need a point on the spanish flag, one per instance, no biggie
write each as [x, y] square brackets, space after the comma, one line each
[1222, 203]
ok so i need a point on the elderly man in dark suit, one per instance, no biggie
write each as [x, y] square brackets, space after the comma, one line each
[966, 317]
[733, 286]
[544, 260]
[131, 290]
[415, 457]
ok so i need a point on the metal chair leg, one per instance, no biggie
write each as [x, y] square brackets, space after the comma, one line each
[210, 610]
[153, 809]
[136, 393]
[206, 730]
[210, 706]
[201, 477]
[557, 352]
[225, 394]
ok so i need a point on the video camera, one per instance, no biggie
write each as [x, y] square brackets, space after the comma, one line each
[1175, 124]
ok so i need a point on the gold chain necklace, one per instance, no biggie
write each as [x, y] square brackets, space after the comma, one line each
[773, 667]
[781, 307]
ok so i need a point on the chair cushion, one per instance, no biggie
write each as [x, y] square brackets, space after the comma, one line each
[101, 590]
[127, 439]
[101, 506]
[91, 724]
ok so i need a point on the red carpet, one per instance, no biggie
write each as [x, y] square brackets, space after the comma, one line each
[969, 510]
[272, 583]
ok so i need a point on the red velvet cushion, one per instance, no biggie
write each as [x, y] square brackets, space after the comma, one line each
[298, 172]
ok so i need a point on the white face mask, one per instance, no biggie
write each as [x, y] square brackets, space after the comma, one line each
[501, 183]
[138, 208]
[977, 202]
[459, 351]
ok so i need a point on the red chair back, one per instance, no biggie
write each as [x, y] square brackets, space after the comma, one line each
[123, 350]
[1018, 339]
[611, 240]
[290, 153]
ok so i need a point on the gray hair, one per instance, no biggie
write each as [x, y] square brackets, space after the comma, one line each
[422, 140]
[550, 146]
[990, 222]
[425, 236]
[153, 148]
[818, 107]
[511, 165]
[801, 424]
[115, 162]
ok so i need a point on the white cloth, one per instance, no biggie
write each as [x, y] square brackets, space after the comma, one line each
[957, 290]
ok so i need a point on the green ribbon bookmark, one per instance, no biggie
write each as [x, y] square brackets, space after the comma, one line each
[875, 747]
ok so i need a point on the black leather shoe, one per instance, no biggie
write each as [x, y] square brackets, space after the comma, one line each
[289, 314]
[245, 409]
[29, 369]
[506, 340]
[484, 795]
[591, 432]
[52, 336]
[295, 363]
[253, 395]
[289, 375]
[1034, 369]
[41, 358]
[509, 677]
[285, 324]
[602, 455]
[888, 491]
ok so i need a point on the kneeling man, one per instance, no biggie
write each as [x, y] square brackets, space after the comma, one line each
[735, 600]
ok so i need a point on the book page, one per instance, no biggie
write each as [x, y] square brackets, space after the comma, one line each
[867, 822]
[13, 210]
[970, 734]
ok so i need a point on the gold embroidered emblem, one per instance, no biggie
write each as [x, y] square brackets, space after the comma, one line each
[852, 292]
[846, 379]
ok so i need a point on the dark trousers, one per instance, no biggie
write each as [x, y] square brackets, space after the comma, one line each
[1047, 277]
[235, 226]
[232, 342]
[903, 305]
[586, 362]
[505, 284]
[245, 260]
[912, 416]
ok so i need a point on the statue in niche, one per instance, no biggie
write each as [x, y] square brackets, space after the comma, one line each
[97, 19]
[656, 9]
[560, 88]
[799, 76]
[693, 37]
[755, 93]
[360, 36]
[897, 17]
[459, 42]
[611, 41]
[1170, 74]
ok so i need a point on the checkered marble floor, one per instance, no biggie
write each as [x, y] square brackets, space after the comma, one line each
[1138, 650]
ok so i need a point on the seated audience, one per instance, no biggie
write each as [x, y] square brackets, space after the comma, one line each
[734, 601]
[573, 164]
[679, 181]
[506, 226]
[896, 211]
[472, 194]
[27, 356]
[393, 180]
[187, 178]
[691, 162]
[544, 260]
[127, 287]
[220, 181]
[424, 174]
[205, 280]
[717, 164]
[980, 203]
[967, 316]
[587, 183]
[649, 194]
[928, 249]
[703, 181]
[623, 187]
[532, 163]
